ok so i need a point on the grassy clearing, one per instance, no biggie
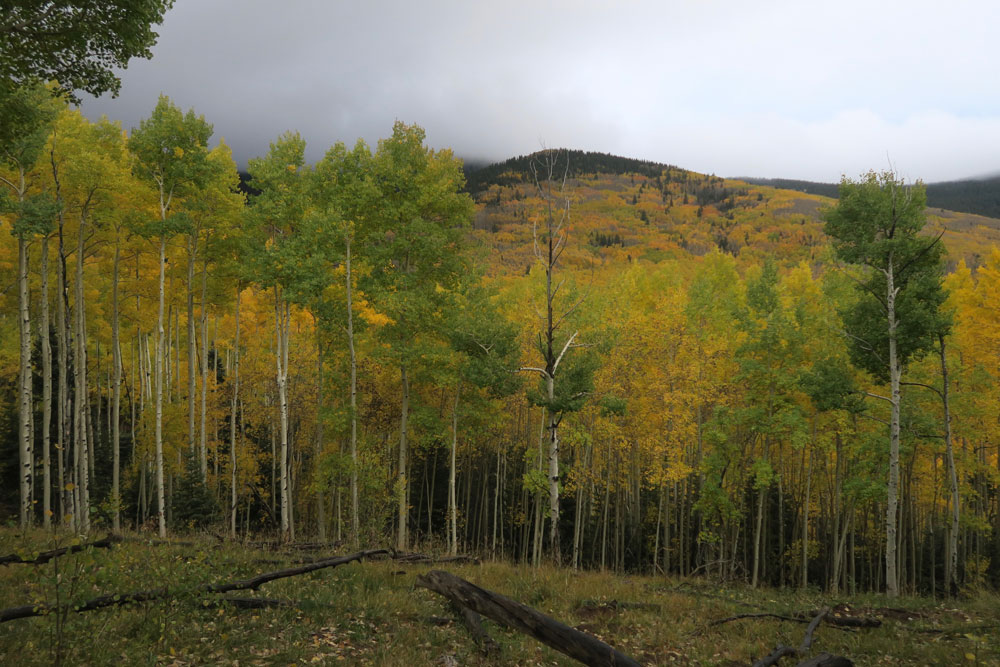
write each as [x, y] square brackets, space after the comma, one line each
[371, 613]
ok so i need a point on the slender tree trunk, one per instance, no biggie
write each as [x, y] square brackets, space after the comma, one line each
[24, 404]
[805, 518]
[117, 395]
[161, 516]
[281, 314]
[203, 440]
[553, 474]
[891, 514]
[84, 444]
[46, 390]
[349, 287]
[402, 482]
[233, 458]
[952, 582]
[63, 411]
[192, 351]
[320, 496]
[452, 506]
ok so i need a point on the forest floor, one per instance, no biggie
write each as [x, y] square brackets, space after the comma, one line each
[371, 612]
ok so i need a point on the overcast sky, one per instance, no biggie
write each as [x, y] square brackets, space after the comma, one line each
[799, 88]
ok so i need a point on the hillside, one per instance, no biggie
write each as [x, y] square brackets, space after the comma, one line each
[979, 196]
[625, 210]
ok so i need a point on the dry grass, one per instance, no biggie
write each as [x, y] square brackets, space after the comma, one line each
[371, 613]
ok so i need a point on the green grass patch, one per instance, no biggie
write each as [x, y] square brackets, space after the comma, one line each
[371, 613]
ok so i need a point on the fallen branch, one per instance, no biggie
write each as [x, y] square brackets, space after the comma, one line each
[474, 624]
[115, 599]
[803, 648]
[256, 582]
[843, 621]
[738, 617]
[111, 600]
[46, 556]
[405, 557]
[840, 622]
[250, 603]
[561, 637]
[595, 605]
[826, 660]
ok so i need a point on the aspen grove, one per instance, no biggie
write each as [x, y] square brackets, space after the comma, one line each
[568, 357]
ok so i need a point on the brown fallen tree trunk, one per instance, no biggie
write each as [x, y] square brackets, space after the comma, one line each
[561, 637]
[119, 599]
[46, 556]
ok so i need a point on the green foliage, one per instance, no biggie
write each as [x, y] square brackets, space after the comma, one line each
[573, 386]
[272, 242]
[486, 341]
[831, 386]
[413, 239]
[77, 43]
[27, 113]
[876, 224]
[194, 504]
[35, 215]
[171, 149]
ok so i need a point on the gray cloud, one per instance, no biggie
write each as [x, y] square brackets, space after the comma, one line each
[781, 88]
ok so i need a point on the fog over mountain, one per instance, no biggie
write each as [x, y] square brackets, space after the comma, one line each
[775, 89]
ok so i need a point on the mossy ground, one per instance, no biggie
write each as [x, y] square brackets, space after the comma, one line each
[372, 613]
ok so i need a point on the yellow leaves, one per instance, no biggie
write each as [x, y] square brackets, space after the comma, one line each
[178, 152]
[372, 316]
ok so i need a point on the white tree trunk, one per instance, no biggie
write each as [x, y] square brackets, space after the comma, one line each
[161, 516]
[281, 312]
[952, 568]
[355, 523]
[117, 395]
[192, 352]
[891, 581]
[24, 389]
[46, 390]
[452, 505]
[80, 366]
[402, 481]
[234, 459]
[203, 434]
[553, 474]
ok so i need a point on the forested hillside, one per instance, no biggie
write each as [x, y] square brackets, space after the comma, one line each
[618, 364]
[979, 196]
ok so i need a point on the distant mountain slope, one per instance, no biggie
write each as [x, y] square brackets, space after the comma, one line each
[479, 178]
[978, 196]
[624, 210]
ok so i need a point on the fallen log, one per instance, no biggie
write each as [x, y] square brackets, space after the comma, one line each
[116, 599]
[578, 645]
[46, 556]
